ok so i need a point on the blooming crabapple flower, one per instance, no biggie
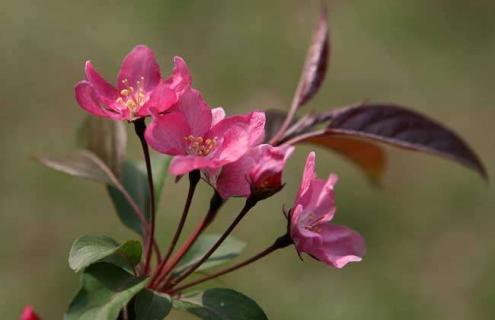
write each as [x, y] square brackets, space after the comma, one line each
[140, 87]
[201, 138]
[29, 314]
[310, 226]
[258, 172]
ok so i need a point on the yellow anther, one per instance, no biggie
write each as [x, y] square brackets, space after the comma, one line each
[132, 98]
[200, 146]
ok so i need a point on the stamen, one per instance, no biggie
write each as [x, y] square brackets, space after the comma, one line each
[132, 98]
[200, 146]
[315, 224]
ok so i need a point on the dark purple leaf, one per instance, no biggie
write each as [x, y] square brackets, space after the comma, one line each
[313, 73]
[315, 65]
[404, 128]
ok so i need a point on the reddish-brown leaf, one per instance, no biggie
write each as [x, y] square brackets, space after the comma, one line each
[403, 128]
[366, 155]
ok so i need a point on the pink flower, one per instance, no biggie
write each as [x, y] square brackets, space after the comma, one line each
[201, 138]
[258, 172]
[29, 314]
[140, 87]
[310, 226]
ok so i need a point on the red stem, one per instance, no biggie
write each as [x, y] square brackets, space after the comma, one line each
[280, 243]
[250, 203]
[194, 177]
[167, 266]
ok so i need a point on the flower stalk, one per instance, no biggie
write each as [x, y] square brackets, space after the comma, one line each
[140, 128]
[194, 177]
[166, 267]
[280, 243]
[249, 204]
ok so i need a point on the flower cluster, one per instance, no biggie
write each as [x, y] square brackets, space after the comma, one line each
[238, 156]
[226, 150]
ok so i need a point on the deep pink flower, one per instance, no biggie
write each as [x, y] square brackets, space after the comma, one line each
[29, 314]
[310, 226]
[140, 88]
[201, 138]
[258, 172]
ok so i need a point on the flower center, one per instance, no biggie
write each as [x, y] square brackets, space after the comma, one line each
[200, 146]
[313, 223]
[132, 98]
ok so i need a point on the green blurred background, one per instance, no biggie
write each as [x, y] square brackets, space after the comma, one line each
[429, 229]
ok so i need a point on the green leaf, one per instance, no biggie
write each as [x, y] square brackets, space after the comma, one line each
[229, 249]
[220, 304]
[105, 138]
[88, 250]
[152, 305]
[83, 164]
[106, 289]
[87, 165]
[135, 182]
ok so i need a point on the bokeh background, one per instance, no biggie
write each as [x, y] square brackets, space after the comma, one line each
[429, 228]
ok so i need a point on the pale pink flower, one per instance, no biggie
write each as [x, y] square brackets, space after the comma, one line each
[310, 226]
[140, 88]
[201, 138]
[257, 173]
[29, 314]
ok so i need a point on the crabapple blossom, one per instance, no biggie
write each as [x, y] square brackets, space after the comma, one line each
[310, 222]
[140, 88]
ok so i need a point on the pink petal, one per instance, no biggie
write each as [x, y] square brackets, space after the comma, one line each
[319, 200]
[166, 133]
[270, 161]
[107, 93]
[231, 146]
[233, 138]
[325, 202]
[256, 128]
[196, 112]
[89, 101]
[340, 246]
[181, 79]
[139, 63]
[252, 170]
[308, 175]
[303, 238]
[183, 164]
[162, 98]
[233, 179]
[218, 114]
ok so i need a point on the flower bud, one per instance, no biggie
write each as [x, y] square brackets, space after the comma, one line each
[257, 174]
[29, 314]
